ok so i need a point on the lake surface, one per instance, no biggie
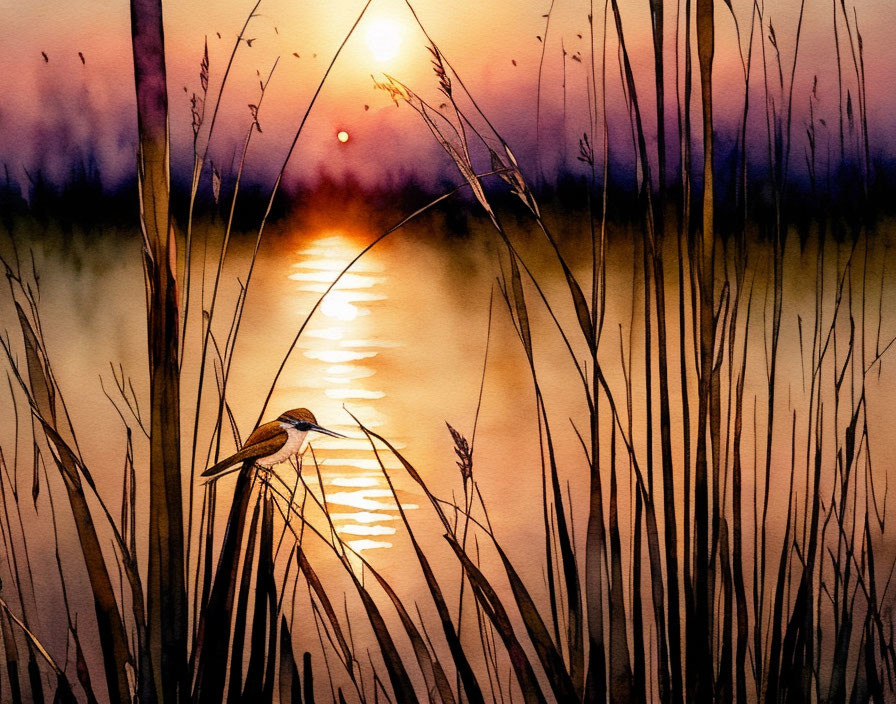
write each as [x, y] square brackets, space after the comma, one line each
[400, 343]
[410, 337]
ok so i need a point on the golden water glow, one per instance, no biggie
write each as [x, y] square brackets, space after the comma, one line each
[340, 309]
[342, 352]
[326, 333]
[362, 463]
[363, 517]
[355, 481]
[352, 529]
[336, 356]
[350, 371]
[362, 499]
[354, 393]
[355, 444]
[349, 280]
[361, 545]
[368, 343]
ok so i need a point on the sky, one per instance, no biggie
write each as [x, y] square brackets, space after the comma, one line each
[61, 110]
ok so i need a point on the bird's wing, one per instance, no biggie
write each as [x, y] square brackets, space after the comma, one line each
[265, 440]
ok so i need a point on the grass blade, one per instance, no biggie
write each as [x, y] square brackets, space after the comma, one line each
[290, 688]
[433, 674]
[491, 604]
[238, 632]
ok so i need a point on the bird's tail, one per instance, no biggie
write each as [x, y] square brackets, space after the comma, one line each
[221, 466]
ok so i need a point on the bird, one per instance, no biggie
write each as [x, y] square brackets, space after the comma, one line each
[81, 56]
[46, 58]
[274, 442]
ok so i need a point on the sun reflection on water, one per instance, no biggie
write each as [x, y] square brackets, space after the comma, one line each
[336, 343]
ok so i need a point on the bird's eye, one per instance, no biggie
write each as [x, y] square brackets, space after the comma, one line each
[303, 425]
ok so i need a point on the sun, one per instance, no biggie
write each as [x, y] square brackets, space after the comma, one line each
[342, 136]
[383, 39]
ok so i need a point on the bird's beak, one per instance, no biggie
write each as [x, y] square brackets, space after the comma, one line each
[324, 431]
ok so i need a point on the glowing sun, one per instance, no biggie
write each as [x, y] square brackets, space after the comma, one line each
[342, 136]
[383, 39]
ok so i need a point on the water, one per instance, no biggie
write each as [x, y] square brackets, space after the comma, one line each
[400, 343]
[343, 351]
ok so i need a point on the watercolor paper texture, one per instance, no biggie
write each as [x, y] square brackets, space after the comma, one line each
[451, 352]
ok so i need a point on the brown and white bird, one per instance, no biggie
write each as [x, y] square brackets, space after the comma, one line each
[274, 442]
